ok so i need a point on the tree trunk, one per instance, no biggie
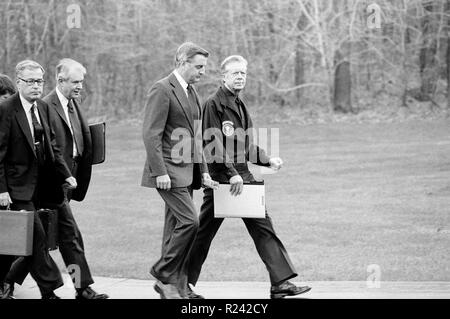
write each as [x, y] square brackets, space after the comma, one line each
[299, 73]
[427, 58]
[448, 54]
[342, 101]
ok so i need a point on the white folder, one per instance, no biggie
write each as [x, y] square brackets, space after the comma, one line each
[249, 204]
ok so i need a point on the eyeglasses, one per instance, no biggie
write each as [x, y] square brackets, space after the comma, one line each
[30, 82]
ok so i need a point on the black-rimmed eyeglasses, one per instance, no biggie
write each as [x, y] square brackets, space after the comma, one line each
[30, 82]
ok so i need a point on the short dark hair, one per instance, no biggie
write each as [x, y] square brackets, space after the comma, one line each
[187, 51]
[6, 85]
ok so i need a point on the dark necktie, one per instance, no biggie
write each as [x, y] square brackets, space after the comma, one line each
[193, 102]
[240, 106]
[76, 127]
[38, 132]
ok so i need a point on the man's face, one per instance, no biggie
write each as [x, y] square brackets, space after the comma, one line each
[235, 76]
[192, 71]
[32, 90]
[72, 85]
[4, 96]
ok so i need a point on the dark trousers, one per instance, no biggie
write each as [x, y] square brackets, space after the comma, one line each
[71, 248]
[70, 244]
[5, 264]
[180, 229]
[268, 245]
[40, 264]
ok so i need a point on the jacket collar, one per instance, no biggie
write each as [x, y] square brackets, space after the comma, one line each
[182, 99]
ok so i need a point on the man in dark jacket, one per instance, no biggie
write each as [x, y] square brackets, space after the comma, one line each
[27, 148]
[73, 138]
[225, 112]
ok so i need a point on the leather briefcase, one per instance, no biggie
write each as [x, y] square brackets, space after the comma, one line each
[16, 232]
[98, 142]
[49, 219]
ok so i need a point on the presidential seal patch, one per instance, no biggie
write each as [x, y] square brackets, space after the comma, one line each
[227, 128]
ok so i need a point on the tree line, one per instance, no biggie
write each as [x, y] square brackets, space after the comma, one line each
[303, 54]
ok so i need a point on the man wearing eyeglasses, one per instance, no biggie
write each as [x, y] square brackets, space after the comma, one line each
[27, 146]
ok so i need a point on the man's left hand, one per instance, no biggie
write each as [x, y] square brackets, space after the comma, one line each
[72, 182]
[208, 182]
[276, 163]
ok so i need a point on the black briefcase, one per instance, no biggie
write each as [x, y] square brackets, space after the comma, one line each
[98, 142]
[49, 219]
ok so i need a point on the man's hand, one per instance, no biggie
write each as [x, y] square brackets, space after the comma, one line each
[208, 182]
[72, 182]
[237, 185]
[163, 182]
[275, 163]
[5, 200]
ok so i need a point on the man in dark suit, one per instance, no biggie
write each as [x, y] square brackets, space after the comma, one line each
[73, 139]
[225, 113]
[173, 110]
[27, 147]
[6, 90]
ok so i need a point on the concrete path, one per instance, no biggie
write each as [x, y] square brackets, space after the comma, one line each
[122, 288]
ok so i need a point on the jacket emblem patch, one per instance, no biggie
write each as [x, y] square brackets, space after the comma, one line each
[227, 128]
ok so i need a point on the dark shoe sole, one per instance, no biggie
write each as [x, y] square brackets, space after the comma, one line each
[195, 297]
[285, 294]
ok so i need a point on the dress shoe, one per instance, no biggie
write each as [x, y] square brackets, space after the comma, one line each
[190, 294]
[49, 296]
[8, 291]
[89, 293]
[167, 291]
[287, 288]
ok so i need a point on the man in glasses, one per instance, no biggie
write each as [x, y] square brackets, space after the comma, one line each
[27, 146]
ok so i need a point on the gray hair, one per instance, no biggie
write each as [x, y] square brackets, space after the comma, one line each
[27, 65]
[187, 51]
[66, 65]
[231, 59]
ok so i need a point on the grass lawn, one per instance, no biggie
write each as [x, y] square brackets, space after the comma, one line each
[350, 195]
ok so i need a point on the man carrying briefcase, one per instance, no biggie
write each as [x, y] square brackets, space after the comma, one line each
[74, 140]
[27, 146]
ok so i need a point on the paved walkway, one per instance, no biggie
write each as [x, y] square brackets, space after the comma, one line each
[122, 288]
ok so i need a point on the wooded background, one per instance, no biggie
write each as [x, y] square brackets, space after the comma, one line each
[303, 54]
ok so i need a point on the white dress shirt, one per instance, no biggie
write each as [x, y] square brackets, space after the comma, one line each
[180, 79]
[27, 108]
[64, 103]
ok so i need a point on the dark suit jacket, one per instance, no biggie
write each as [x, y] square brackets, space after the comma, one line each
[18, 162]
[220, 110]
[64, 141]
[167, 110]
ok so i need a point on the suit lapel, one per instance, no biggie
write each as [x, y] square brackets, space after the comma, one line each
[23, 123]
[182, 99]
[43, 117]
[56, 104]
